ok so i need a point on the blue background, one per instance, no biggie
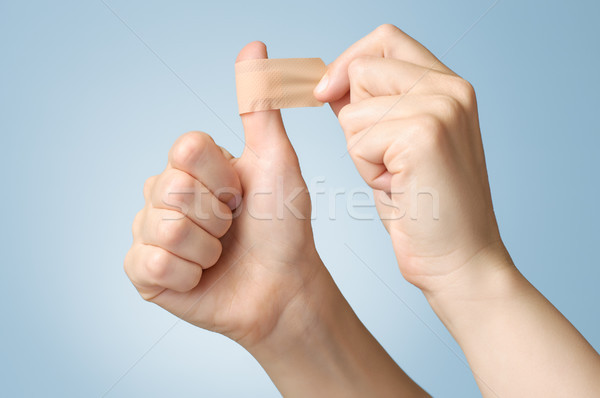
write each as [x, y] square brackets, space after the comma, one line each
[88, 112]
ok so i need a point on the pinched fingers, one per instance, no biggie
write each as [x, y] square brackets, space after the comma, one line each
[374, 77]
[387, 41]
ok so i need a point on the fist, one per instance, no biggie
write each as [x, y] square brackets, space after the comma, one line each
[188, 208]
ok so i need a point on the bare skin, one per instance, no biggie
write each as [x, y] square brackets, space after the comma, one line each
[413, 132]
[255, 277]
[412, 126]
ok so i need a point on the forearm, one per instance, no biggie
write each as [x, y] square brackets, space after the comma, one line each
[321, 348]
[516, 342]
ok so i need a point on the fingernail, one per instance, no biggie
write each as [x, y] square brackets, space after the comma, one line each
[234, 202]
[322, 86]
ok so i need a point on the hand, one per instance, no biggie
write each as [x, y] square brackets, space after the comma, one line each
[412, 130]
[413, 133]
[236, 275]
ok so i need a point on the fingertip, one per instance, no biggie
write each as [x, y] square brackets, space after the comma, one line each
[234, 202]
[333, 86]
[320, 91]
[252, 50]
[259, 126]
[337, 105]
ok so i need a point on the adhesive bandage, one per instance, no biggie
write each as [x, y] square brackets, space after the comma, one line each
[264, 84]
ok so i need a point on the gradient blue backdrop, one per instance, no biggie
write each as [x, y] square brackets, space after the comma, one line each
[88, 112]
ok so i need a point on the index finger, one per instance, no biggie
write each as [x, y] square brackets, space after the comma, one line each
[387, 41]
[196, 154]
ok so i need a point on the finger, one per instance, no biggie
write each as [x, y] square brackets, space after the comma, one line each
[374, 77]
[394, 147]
[177, 190]
[367, 150]
[386, 208]
[362, 115]
[148, 185]
[177, 234]
[151, 267]
[226, 153]
[197, 154]
[387, 41]
[138, 223]
[336, 106]
[263, 130]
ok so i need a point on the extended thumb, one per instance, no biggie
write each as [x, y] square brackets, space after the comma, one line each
[263, 130]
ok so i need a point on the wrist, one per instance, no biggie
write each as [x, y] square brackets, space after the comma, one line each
[489, 277]
[321, 348]
[299, 349]
[298, 313]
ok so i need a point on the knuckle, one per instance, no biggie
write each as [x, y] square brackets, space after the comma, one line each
[447, 107]
[387, 30]
[179, 181]
[464, 91]
[345, 117]
[127, 263]
[214, 252]
[219, 217]
[192, 281]
[357, 67]
[178, 189]
[190, 147]
[148, 185]
[223, 225]
[428, 124]
[172, 233]
[138, 221]
[355, 147]
[352, 146]
[431, 133]
[157, 265]
[399, 151]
